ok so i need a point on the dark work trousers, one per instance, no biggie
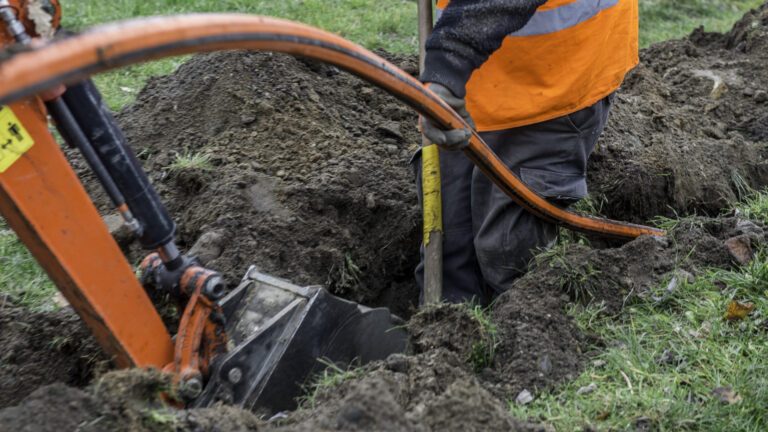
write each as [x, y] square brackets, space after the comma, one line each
[489, 239]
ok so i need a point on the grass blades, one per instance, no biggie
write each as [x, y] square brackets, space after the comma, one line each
[22, 281]
[674, 364]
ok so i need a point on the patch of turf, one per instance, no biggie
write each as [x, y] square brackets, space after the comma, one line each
[21, 279]
[669, 19]
[677, 362]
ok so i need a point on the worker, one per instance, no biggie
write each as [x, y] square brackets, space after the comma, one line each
[537, 80]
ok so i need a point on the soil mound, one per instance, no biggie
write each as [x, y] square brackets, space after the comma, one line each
[540, 345]
[536, 344]
[688, 129]
[119, 401]
[300, 169]
[427, 392]
[303, 170]
[40, 348]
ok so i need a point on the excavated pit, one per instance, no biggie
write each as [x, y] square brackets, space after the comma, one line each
[304, 171]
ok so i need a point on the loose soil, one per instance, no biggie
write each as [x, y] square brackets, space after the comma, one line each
[39, 348]
[688, 130]
[307, 176]
[307, 171]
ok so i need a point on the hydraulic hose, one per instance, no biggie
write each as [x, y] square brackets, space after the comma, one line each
[125, 43]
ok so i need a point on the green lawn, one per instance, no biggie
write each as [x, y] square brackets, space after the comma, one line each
[677, 363]
[667, 19]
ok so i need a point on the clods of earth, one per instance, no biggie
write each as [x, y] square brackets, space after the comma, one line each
[304, 171]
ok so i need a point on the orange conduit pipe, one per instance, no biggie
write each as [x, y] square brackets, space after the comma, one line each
[125, 43]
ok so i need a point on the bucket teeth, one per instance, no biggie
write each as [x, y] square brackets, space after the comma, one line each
[282, 334]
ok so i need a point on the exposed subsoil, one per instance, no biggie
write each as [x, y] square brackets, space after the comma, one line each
[308, 179]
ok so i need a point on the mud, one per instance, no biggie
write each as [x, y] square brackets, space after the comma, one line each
[305, 174]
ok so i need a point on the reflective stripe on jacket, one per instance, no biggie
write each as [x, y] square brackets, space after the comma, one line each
[570, 55]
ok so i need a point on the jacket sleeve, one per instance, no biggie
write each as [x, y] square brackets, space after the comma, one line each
[466, 35]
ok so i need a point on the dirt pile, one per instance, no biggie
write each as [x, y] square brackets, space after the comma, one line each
[118, 401]
[39, 348]
[301, 170]
[688, 130]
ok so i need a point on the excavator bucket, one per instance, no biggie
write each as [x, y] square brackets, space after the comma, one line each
[281, 335]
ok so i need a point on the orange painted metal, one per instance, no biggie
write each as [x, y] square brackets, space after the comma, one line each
[20, 6]
[199, 339]
[111, 46]
[44, 202]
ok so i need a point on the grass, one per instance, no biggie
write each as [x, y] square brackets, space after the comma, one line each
[484, 349]
[332, 377]
[21, 279]
[576, 280]
[191, 161]
[676, 363]
[667, 19]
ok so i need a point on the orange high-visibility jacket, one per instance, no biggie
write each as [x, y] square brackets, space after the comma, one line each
[570, 55]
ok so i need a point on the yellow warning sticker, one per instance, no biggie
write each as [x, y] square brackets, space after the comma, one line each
[14, 139]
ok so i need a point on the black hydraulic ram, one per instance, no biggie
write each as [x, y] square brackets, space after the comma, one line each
[98, 125]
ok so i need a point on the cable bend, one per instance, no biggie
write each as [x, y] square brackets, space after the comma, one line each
[125, 43]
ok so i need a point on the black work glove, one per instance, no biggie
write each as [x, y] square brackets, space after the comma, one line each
[456, 139]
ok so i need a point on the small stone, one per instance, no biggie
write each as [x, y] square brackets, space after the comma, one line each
[714, 132]
[749, 228]
[370, 201]
[598, 363]
[351, 415]
[390, 129]
[524, 398]
[586, 389]
[740, 248]
[247, 118]
[685, 276]
[208, 247]
[397, 363]
[265, 108]
[281, 173]
[545, 364]
[59, 300]
[313, 96]
[119, 230]
[391, 149]
[761, 96]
